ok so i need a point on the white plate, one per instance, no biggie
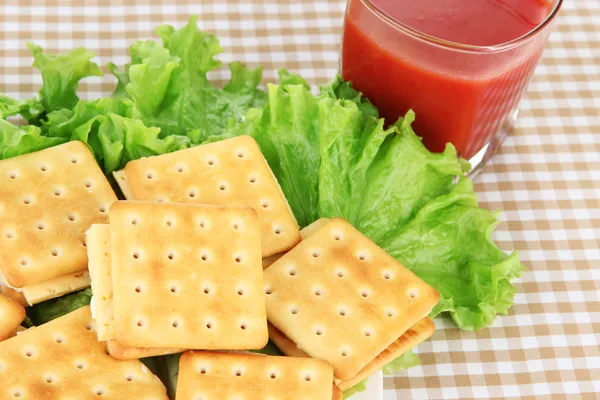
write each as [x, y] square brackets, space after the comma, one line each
[374, 389]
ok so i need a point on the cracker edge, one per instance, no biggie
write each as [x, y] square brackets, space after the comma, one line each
[337, 394]
[304, 233]
[123, 183]
[56, 287]
[21, 314]
[123, 353]
[415, 335]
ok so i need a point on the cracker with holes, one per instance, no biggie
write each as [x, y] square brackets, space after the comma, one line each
[11, 316]
[229, 172]
[63, 360]
[416, 334]
[98, 245]
[216, 376]
[343, 299]
[48, 199]
[187, 276]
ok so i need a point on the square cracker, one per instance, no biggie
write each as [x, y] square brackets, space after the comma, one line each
[416, 334]
[217, 376]
[11, 316]
[342, 298]
[187, 276]
[63, 360]
[229, 172]
[48, 199]
[98, 245]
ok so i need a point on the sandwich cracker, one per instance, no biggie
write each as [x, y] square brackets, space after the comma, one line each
[229, 172]
[11, 316]
[217, 376]
[187, 276]
[63, 360]
[98, 245]
[343, 299]
[48, 199]
[417, 333]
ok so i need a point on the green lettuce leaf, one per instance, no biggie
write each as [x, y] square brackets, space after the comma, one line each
[54, 308]
[407, 360]
[112, 131]
[342, 90]
[32, 111]
[8, 106]
[61, 75]
[290, 78]
[170, 87]
[168, 372]
[359, 387]
[448, 244]
[378, 179]
[17, 140]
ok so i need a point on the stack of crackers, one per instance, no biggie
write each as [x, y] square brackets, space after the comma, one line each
[203, 257]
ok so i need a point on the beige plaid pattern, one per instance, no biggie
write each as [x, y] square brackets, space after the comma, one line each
[546, 178]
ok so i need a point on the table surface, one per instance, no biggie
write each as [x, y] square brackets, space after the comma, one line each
[546, 178]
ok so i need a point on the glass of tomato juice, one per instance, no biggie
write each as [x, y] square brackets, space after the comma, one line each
[461, 65]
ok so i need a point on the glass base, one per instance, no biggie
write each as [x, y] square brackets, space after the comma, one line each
[479, 160]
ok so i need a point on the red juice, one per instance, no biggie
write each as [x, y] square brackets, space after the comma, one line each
[448, 60]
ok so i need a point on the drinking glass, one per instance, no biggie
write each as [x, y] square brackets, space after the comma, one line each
[464, 94]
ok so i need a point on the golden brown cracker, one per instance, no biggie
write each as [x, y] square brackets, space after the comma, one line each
[187, 276]
[304, 233]
[48, 199]
[11, 316]
[14, 295]
[217, 376]
[229, 172]
[342, 298]
[337, 393]
[416, 334]
[133, 353]
[63, 360]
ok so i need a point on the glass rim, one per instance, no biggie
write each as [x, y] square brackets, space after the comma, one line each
[417, 34]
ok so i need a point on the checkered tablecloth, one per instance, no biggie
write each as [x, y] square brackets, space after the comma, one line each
[546, 178]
